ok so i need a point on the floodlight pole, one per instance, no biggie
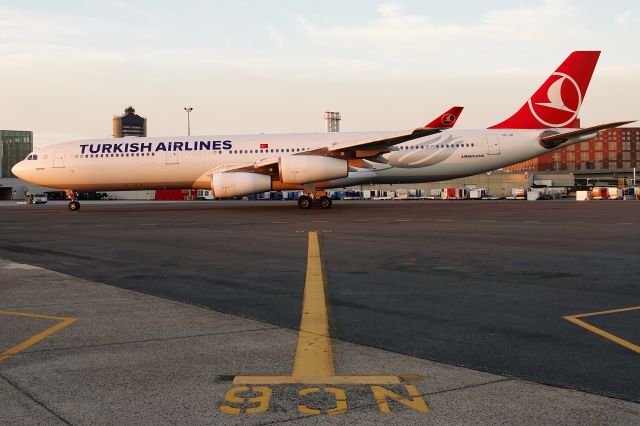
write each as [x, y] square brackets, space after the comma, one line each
[188, 109]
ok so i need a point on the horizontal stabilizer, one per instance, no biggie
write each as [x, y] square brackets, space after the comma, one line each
[551, 141]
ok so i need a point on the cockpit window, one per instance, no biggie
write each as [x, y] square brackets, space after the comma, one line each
[32, 157]
[35, 157]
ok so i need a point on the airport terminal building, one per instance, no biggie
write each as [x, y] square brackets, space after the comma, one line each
[15, 145]
[612, 149]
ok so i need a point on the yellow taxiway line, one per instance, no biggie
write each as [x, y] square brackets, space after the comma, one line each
[313, 363]
[574, 319]
[64, 322]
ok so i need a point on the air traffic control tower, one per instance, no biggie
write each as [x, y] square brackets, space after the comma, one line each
[129, 124]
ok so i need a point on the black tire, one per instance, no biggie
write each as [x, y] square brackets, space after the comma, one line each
[305, 202]
[325, 202]
[74, 206]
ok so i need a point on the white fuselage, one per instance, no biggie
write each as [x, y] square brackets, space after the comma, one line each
[187, 162]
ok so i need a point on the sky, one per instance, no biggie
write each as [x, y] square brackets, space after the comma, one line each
[67, 67]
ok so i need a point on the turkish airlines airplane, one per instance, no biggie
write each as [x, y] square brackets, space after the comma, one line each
[234, 166]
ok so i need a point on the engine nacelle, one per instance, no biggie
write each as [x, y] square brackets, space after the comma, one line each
[237, 184]
[311, 168]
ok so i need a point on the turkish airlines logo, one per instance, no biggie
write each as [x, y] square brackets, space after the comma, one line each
[556, 103]
[448, 119]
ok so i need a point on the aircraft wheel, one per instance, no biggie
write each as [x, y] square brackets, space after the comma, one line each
[325, 202]
[305, 202]
[74, 206]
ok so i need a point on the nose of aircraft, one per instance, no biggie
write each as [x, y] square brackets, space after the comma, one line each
[18, 169]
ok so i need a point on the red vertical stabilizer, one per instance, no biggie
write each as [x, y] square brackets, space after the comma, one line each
[557, 102]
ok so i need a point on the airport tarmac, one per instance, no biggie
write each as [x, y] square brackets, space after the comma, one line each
[473, 306]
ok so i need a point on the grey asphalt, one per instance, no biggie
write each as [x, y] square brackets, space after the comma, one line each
[479, 284]
[131, 358]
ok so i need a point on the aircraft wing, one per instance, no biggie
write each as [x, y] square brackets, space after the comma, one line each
[556, 139]
[371, 149]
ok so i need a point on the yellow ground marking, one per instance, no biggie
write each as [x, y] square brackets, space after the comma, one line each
[313, 355]
[416, 402]
[64, 322]
[263, 400]
[313, 364]
[574, 319]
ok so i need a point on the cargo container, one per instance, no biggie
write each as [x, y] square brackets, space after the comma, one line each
[615, 194]
[477, 194]
[534, 194]
[583, 195]
[402, 194]
[600, 193]
[518, 194]
[452, 193]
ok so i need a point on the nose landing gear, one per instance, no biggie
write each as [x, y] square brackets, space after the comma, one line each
[74, 205]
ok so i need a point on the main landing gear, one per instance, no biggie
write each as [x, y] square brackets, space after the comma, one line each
[306, 202]
[74, 205]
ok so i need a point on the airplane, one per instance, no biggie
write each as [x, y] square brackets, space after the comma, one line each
[235, 166]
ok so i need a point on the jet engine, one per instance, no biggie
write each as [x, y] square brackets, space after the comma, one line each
[303, 169]
[237, 184]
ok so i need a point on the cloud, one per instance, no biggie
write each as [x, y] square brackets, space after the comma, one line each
[277, 38]
[29, 36]
[395, 31]
[623, 20]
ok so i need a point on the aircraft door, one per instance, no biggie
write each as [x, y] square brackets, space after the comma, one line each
[58, 157]
[493, 144]
[172, 157]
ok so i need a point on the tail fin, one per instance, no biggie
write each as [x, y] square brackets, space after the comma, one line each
[557, 102]
[446, 120]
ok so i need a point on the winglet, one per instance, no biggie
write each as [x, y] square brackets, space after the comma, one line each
[446, 120]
